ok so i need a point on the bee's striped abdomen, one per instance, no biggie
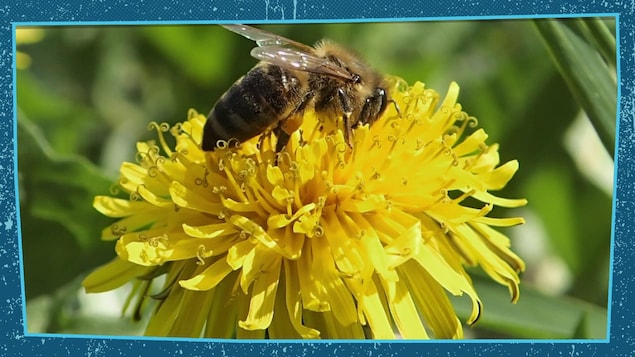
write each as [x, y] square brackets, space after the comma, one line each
[251, 105]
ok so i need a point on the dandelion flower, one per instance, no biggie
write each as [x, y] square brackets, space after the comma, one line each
[322, 240]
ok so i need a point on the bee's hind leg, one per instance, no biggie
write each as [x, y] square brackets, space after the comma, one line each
[283, 138]
[264, 136]
[289, 125]
[285, 128]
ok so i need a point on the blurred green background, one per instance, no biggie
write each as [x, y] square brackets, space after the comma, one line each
[86, 95]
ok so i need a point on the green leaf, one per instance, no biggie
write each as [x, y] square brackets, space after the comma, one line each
[577, 219]
[200, 52]
[557, 211]
[535, 316]
[55, 113]
[589, 78]
[60, 229]
[596, 31]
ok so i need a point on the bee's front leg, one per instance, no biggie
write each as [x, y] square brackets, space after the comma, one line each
[347, 112]
[373, 107]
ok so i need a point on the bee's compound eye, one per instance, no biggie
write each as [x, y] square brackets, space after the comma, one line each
[357, 79]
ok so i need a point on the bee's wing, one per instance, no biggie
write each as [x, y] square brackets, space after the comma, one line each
[287, 53]
[264, 38]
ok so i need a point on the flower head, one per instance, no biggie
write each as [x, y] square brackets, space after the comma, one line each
[321, 240]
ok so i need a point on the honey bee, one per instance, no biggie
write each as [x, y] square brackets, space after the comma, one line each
[290, 78]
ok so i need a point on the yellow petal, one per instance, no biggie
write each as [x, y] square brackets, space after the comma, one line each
[238, 253]
[339, 297]
[236, 206]
[308, 225]
[262, 298]
[406, 245]
[491, 263]
[499, 177]
[152, 198]
[289, 242]
[134, 176]
[281, 326]
[453, 282]
[403, 310]
[117, 207]
[257, 262]
[252, 228]
[376, 314]
[184, 197]
[281, 220]
[500, 222]
[293, 304]
[210, 230]
[132, 224]
[112, 275]
[344, 251]
[484, 196]
[373, 249]
[209, 278]
[499, 243]
[331, 327]
[471, 144]
[369, 204]
[314, 296]
[432, 301]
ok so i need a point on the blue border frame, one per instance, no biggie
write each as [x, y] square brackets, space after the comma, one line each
[13, 340]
